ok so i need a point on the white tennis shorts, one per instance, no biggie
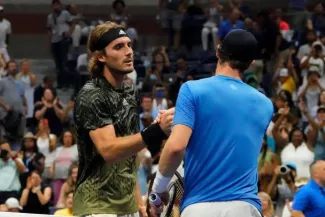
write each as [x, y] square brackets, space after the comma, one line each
[221, 209]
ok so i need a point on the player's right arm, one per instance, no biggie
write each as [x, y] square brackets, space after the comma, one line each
[98, 122]
[295, 213]
[113, 148]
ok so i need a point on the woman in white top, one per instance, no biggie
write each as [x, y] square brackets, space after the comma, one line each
[28, 80]
[65, 156]
[298, 152]
[46, 143]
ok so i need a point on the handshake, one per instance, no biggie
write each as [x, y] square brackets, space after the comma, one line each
[154, 135]
[165, 120]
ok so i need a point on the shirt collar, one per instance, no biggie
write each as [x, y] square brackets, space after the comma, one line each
[314, 185]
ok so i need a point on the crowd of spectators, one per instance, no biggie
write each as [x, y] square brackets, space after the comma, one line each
[39, 158]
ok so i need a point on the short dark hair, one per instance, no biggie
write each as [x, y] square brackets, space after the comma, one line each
[116, 2]
[241, 66]
[10, 61]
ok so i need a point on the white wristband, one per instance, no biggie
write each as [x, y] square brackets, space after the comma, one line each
[160, 184]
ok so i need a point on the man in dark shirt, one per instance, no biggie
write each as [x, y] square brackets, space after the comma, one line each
[107, 125]
[39, 90]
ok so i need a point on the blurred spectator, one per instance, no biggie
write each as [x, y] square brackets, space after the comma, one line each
[314, 58]
[285, 80]
[148, 113]
[68, 186]
[13, 103]
[121, 17]
[171, 16]
[48, 83]
[13, 205]
[52, 110]
[283, 25]
[210, 27]
[309, 201]
[35, 197]
[10, 168]
[317, 20]
[65, 156]
[266, 156]
[32, 158]
[229, 24]
[68, 113]
[252, 81]
[59, 29]
[305, 49]
[160, 101]
[68, 204]
[299, 152]
[46, 143]
[144, 171]
[310, 91]
[244, 9]
[267, 205]
[160, 66]
[275, 47]
[5, 32]
[28, 79]
[321, 102]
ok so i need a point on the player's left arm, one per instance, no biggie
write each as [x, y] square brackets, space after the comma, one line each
[173, 151]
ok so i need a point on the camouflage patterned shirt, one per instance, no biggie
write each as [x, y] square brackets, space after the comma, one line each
[104, 188]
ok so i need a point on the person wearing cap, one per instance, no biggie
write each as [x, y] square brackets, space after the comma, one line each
[285, 80]
[107, 124]
[309, 201]
[13, 205]
[314, 58]
[251, 80]
[5, 32]
[305, 49]
[210, 126]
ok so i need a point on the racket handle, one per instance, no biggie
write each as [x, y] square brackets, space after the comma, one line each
[154, 199]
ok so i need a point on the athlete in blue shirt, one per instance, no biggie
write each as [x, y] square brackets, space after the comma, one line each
[219, 125]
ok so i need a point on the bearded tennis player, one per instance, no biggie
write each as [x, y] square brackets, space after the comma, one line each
[107, 125]
[219, 126]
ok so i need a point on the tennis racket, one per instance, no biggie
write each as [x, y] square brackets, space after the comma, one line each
[176, 191]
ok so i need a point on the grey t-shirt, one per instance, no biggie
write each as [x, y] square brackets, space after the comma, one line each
[11, 92]
[58, 24]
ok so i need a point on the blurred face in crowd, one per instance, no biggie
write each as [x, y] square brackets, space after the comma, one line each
[48, 95]
[318, 50]
[319, 8]
[235, 14]
[311, 37]
[118, 57]
[36, 179]
[290, 178]
[74, 174]
[146, 103]
[12, 68]
[29, 143]
[73, 9]
[181, 64]
[265, 201]
[159, 62]
[119, 8]
[297, 138]
[69, 200]
[43, 125]
[279, 102]
[313, 77]
[321, 115]
[67, 138]
[278, 13]
[56, 7]
[25, 66]
[318, 172]
[49, 83]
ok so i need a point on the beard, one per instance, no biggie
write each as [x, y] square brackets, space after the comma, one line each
[117, 71]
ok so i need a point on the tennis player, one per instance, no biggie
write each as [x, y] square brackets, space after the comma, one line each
[107, 125]
[219, 126]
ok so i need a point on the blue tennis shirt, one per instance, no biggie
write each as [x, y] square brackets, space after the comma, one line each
[310, 200]
[228, 119]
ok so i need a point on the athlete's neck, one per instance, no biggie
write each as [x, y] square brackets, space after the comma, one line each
[114, 78]
[226, 70]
